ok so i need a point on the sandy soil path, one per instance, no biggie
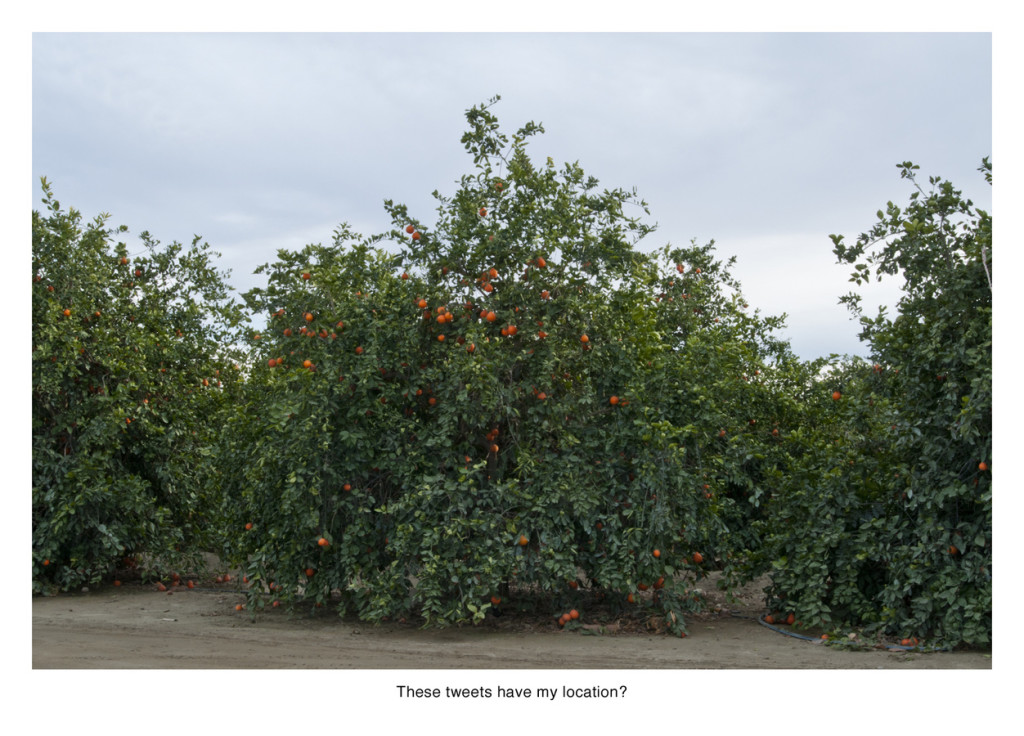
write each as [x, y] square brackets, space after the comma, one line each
[130, 628]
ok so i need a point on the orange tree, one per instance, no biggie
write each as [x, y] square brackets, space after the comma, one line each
[502, 401]
[128, 371]
[885, 520]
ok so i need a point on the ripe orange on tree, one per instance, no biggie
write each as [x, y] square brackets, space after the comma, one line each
[322, 542]
[416, 235]
[656, 553]
[523, 539]
[584, 339]
[698, 558]
[410, 229]
[836, 396]
[613, 400]
[983, 466]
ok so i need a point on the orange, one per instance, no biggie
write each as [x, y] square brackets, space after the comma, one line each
[769, 619]
[657, 553]
[307, 363]
[495, 600]
[574, 614]
[309, 317]
[323, 542]
[483, 212]
[698, 558]
[309, 572]
[584, 339]
[416, 235]
[523, 540]
[248, 526]
[613, 400]
[545, 294]
[67, 312]
[359, 350]
[541, 263]
[630, 598]
[410, 229]
[239, 607]
[836, 395]
[983, 466]
[790, 619]
[422, 304]
[494, 449]
[271, 363]
[491, 316]
[347, 487]
[493, 273]
[440, 338]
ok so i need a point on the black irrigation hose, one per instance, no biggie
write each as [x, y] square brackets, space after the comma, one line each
[889, 647]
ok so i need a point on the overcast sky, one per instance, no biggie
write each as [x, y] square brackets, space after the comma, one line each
[766, 143]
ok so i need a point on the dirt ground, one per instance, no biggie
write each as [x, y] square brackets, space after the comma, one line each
[137, 627]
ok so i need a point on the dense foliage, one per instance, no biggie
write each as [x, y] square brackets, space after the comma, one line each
[885, 517]
[130, 359]
[516, 403]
